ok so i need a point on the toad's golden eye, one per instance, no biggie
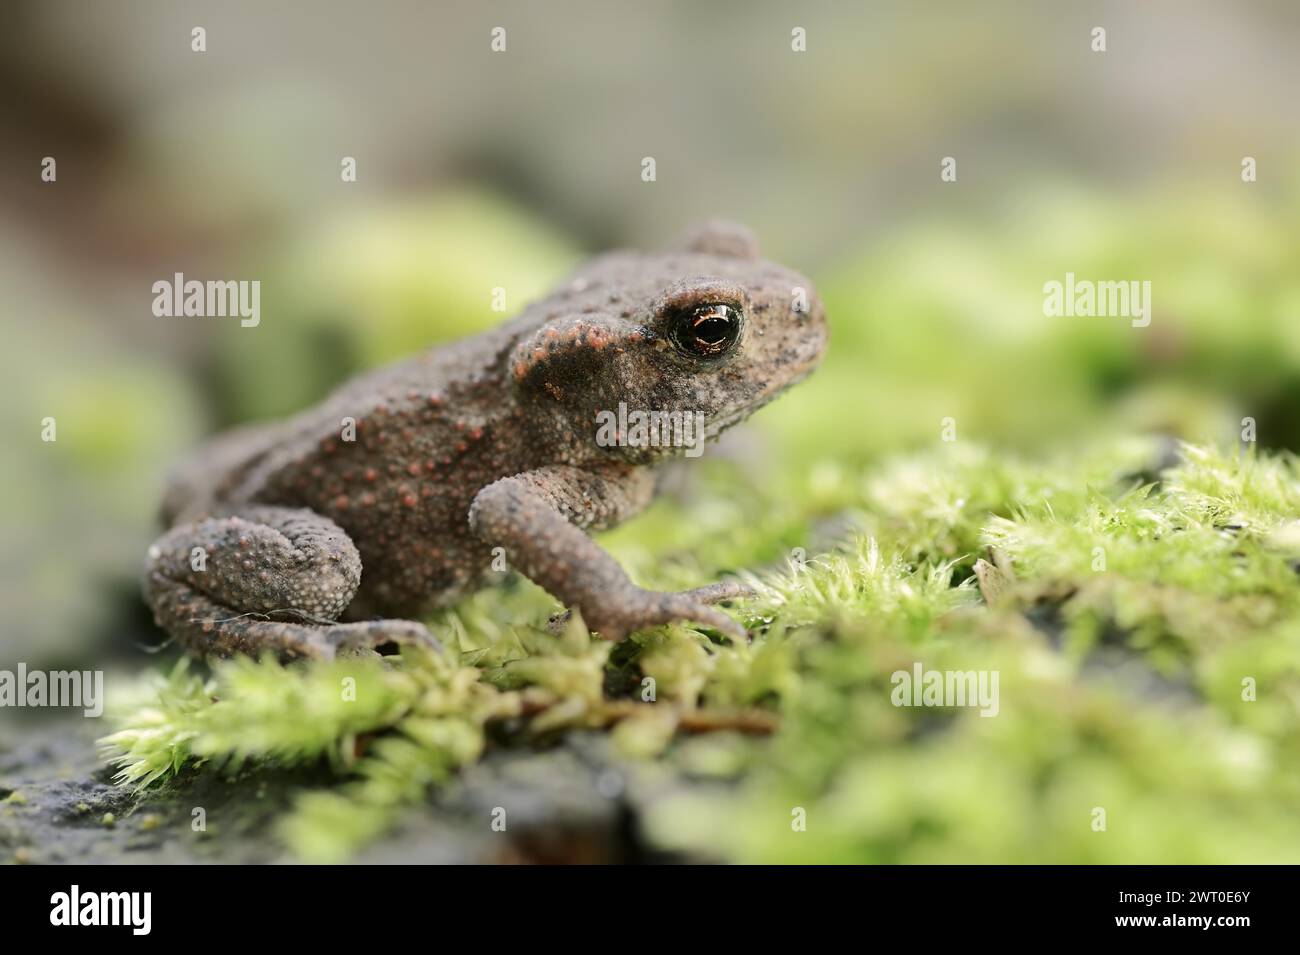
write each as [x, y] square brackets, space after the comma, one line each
[706, 331]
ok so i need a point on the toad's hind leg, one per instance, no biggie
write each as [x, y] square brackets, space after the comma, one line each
[264, 578]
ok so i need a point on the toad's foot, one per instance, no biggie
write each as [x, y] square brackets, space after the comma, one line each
[638, 609]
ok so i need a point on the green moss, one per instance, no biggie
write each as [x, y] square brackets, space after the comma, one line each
[1145, 630]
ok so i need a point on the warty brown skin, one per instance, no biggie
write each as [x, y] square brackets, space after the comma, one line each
[308, 543]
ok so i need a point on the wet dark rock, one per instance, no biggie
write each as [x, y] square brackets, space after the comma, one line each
[572, 803]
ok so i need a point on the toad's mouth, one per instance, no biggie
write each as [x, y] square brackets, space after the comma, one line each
[714, 425]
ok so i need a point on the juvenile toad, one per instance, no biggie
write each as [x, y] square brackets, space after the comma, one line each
[319, 533]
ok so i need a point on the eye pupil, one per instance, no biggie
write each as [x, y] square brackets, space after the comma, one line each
[707, 331]
[711, 329]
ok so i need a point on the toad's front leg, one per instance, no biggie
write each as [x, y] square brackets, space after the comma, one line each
[539, 517]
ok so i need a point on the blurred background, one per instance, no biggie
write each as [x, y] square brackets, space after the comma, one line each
[478, 169]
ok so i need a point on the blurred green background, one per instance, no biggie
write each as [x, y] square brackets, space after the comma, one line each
[478, 170]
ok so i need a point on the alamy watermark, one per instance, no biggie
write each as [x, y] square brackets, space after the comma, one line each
[75, 907]
[1088, 299]
[177, 297]
[53, 688]
[921, 687]
[651, 429]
